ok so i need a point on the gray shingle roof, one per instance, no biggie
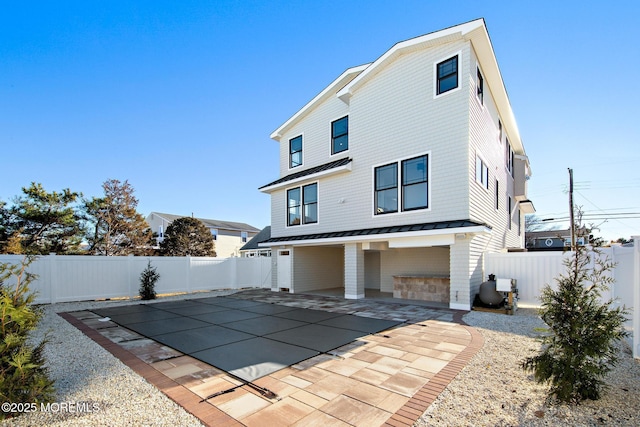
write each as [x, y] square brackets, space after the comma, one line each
[264, 234]
[380, 230]
[213, 223]
[310, 171]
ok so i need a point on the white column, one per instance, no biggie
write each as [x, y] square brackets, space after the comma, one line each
[353, 271]
[459, 276]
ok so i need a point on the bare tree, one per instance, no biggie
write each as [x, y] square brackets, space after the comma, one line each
[114, 225]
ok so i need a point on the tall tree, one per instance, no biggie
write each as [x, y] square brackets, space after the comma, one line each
[114, 225]
[188, 237]
[39, 222]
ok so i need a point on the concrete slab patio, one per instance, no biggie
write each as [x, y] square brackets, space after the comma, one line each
[389, 378]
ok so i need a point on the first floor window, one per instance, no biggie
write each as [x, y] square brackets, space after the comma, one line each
[447, 75]
[482, 173]
[302, 205]
[414, 187]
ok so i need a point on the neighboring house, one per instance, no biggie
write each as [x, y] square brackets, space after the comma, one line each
[251, 249]
[404, 169]
[229, 236]
[554, 240]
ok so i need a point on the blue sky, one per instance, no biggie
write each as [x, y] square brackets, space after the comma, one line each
[180, 98]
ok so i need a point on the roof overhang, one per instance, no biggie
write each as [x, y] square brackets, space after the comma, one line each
[404, 239]
[526, 207]
[329, 91]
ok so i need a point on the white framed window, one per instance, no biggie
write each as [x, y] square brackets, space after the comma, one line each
[509, 156]
[214, 233]
[401, 186]
[244, 236]
[340, 135]
[479, 85]
[482, 173]
[446, 75]
[295, 152]
[302, 205]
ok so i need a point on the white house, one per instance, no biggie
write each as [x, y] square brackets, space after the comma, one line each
[229, 236]
[400, 174]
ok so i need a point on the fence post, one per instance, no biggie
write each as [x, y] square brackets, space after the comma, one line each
[636, 296]
[53, 273]
[188, 278]
[130, 274]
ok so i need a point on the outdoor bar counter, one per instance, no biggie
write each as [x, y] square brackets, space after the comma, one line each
[425, 288]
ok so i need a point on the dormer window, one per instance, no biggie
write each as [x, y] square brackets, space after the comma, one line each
[340, 135]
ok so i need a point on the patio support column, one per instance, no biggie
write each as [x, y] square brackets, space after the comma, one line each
[460, 276]
[353, 271]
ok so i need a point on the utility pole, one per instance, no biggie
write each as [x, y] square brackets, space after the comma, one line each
[573, 225]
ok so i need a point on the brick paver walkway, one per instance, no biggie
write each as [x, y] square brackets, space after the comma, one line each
[389, 378]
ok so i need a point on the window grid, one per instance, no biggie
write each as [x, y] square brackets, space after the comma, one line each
[302, 205]
[447, 75]
[412, 174]
[295, 152]
[340, 135]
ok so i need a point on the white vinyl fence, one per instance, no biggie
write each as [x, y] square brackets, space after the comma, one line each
[534, 270]
[63, 278]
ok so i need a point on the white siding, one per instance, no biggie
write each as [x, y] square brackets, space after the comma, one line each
[318, 268]
[393, 116]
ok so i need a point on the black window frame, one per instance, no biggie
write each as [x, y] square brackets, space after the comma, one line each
[292, 152]
[302, 206]
[441, 78]
[405, 185]
[482, 175]
[480, 89]
[335, 136]
[400, 185]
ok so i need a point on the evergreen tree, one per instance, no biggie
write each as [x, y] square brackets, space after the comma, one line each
[114, 225]
[23, 375]
[188, 237]
[42, 222]
[579, 348]
[148, 279]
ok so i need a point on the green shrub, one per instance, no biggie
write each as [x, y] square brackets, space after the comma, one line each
[148, 280]
[579, 348]
[23, 376]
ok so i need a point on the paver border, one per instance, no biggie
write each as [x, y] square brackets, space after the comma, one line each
[210, 415]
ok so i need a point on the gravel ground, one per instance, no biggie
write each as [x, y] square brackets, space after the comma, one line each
[491, 391]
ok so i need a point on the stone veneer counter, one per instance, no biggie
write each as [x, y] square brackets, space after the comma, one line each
[425, 288]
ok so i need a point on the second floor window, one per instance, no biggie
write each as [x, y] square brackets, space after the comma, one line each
[244, 235]
[482, 173]
[509, 156]
[302, 205]
[340, 135]
[414, 192]
[295, 152]
[447, 75]
[214, 233]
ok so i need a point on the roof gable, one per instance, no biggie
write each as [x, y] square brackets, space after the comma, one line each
[474, 31]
